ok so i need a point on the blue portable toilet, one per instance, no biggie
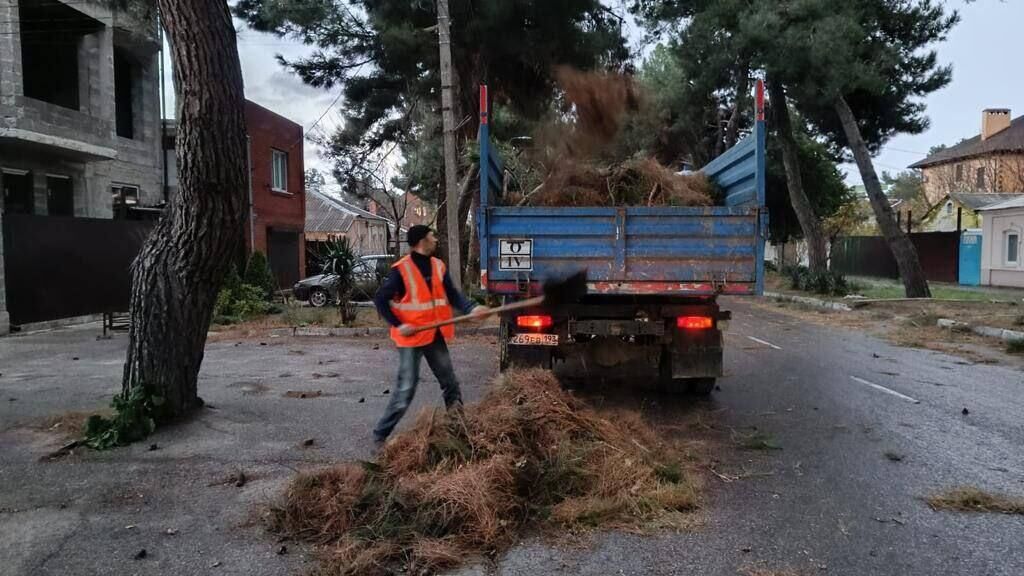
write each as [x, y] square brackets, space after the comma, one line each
[970, 257]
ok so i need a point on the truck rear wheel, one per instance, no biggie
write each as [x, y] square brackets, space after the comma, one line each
[700, 386]
[520, 356]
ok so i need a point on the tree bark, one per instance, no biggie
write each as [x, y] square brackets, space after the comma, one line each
[176, 277]
[817, 251]
[914, 282]
[732, 129]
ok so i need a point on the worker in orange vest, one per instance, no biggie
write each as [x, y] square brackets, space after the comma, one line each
[419, 291]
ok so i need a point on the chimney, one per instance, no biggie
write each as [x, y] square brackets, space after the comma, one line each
[994, 121]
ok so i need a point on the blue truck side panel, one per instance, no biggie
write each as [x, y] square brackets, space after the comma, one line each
[670, 250]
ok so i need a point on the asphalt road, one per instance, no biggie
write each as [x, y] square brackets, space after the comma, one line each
[831, 501]
[828, 502]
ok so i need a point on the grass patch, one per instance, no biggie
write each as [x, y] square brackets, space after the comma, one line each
[529, 457]
[758, 441]
[1015, 347]
[972, 499]
[881, 289]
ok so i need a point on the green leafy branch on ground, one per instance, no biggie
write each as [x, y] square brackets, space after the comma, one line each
[134, 419]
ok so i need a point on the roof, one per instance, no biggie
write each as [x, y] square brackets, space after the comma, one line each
[1008, 140]
[978, 201]
[1017, 202]
[326, 213]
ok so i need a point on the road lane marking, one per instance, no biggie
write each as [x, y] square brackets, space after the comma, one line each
[766, 343]
[886, 390]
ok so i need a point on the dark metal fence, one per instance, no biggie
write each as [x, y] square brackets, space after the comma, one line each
[870, 256]
[59, 267]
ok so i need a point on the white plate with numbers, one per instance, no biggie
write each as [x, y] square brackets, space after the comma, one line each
[534, 340]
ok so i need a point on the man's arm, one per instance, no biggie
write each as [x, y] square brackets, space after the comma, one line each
[457, 300]
[392, 288]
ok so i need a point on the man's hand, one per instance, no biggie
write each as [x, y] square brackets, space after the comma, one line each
[406, 329]
[479, 311]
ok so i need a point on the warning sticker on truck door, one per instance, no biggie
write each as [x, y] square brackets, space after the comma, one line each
[515, 254]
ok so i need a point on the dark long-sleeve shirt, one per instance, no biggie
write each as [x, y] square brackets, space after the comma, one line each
[393, 289]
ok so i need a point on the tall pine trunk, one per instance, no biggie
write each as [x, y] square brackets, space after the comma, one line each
[817, 247]
[914, 282]
[176, 277]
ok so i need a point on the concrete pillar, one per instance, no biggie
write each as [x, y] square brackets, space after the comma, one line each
[5, 318]
[10, 55]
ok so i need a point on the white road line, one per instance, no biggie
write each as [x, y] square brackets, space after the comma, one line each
[886, 390]
[766, 343]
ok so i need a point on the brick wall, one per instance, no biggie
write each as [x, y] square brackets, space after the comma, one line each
[278, 210]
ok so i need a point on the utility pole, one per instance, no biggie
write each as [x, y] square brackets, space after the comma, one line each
[451, 177]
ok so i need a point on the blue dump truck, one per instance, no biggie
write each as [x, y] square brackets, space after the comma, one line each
[654, 273]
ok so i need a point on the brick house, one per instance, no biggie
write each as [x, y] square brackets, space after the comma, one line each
[990, 163]
[277, 199]
[79, 114]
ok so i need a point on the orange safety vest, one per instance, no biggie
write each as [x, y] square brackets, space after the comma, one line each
[421, 304]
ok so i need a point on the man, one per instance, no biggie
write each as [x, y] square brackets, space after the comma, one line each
[419, 291]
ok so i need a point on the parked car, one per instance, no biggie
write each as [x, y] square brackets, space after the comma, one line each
[321, 290]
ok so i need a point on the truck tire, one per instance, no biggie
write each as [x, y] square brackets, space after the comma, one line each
[700, 386]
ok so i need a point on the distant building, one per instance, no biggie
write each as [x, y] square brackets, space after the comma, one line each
[1002, 244]
[957, 209]
[329, 219]
[277, 199]
[991, 162]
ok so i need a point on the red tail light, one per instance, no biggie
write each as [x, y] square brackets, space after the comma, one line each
[534, 322]
[695, 322]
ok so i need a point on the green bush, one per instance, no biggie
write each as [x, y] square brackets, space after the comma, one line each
[238, 300]
[827, 283]
[257, 273]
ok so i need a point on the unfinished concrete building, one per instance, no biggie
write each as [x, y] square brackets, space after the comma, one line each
[79, 111]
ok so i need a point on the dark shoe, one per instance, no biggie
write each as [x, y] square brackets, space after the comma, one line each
[379, 442]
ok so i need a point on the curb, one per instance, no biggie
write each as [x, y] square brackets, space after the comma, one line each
[373, 331]
[816, 302]
[1000, 333]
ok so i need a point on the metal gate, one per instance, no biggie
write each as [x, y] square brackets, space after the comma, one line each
[938, 253]
[283, 254]
[58, 267]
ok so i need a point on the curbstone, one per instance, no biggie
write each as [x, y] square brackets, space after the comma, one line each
[989, 331]
[816, 302]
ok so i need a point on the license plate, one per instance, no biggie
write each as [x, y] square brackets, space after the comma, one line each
[534, 340]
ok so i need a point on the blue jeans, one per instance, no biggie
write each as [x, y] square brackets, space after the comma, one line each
[440, 364]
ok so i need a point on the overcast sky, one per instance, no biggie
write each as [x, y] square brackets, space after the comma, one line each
[984, 50]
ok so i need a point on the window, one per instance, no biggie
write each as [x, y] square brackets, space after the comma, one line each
[51, 34]
[60, 196]
[124, 78]
[959, 173]
[123, 197]
[279, 171]
[979, 178]
[949, 208]
[19, 197]
[1012, 248]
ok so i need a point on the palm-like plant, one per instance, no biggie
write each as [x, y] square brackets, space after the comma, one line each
[340, 260]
